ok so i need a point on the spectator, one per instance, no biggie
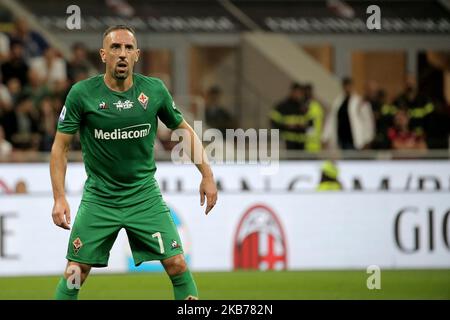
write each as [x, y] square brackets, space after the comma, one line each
[4, 47]
[60, 90]
[329, 177]
[35, 44]
[418, 106]
[315, 115]
[78, 67]
[5, 99]
[50, 68]
[5, 146]
[437, 126]
[47, 124]
[36, 89]
[402, 137]
[289, 117]
[424, 115]
[350, 124]
[384, 115]
[409, 94]
[15, 89]
[57, 103]
[15, 66]
[374, 95]
[216, 115]
[21, 126]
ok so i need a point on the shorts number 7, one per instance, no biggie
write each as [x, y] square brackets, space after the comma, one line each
[158, 235]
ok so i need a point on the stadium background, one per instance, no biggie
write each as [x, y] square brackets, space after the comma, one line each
[228, 64]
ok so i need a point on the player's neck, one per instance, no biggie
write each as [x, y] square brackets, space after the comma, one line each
[117, 84]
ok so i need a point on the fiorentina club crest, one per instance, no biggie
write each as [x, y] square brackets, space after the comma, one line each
[77, 244]
[143, 100]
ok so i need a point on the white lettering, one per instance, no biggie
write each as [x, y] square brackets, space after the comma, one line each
[98, 134]
[141, 131]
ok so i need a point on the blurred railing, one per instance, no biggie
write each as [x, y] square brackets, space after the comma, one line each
[164, 155]
[367, 155]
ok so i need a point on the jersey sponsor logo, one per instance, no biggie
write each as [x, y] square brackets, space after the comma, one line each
[102, 105]
[127, 104]
[143, 100]
[62, 115]
[131, 132]
[259, 242]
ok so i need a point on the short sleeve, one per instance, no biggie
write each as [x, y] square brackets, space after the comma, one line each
[168, 111]
[70, 116]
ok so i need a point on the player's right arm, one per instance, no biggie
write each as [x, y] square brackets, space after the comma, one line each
[68, 124]
[58, 166]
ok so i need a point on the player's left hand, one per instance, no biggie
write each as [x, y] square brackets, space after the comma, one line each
[208, 188]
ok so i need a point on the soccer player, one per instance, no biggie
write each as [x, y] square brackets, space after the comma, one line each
[117, 115]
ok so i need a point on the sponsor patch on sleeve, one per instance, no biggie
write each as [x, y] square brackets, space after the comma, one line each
[62, 114]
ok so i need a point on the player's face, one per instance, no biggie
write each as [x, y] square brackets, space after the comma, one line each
[120, 53]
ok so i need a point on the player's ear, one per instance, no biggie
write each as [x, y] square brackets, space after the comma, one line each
[137, 55]
[102, 55]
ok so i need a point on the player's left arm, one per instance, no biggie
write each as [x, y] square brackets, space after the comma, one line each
[199, 158]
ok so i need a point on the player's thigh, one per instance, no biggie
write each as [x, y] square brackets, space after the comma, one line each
[151, 228]
[93, 233]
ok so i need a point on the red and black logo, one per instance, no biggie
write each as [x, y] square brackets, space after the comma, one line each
[259, 242]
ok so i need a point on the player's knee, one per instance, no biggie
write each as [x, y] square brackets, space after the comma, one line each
[175, 265]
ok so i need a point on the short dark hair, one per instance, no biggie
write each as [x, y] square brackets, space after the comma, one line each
[296, 86]
[347, 81]
[22, 98]
[118, 27]
[308, 86]
[78, 45]
[15, 42]
[215, 90]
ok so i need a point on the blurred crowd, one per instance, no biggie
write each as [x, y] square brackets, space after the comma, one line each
[410, 121]
[34, 82]
[35, 79]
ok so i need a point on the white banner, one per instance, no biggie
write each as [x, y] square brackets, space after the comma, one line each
[291, 176]
[256, 231]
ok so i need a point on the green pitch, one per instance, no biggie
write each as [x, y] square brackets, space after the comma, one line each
[399, 284]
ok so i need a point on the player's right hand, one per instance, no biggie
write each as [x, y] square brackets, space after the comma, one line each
[61, 213]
